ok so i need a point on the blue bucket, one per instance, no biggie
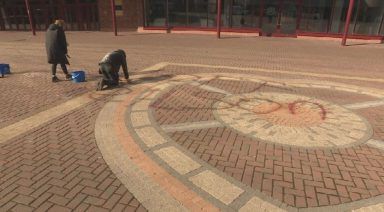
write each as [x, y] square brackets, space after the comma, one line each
[5, 69]
[78, 76]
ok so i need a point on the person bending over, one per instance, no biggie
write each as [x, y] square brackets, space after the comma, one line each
[109, 67]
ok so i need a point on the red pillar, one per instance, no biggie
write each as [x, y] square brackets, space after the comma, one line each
[30, 17]
[113, 7]
[218, 19]
[347, 22]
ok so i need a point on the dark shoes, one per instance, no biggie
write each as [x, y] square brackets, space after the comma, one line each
[55, 79]
[100, 85]
[68, 77]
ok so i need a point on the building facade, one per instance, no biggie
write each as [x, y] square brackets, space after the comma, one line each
[80, 15]
[267, 17]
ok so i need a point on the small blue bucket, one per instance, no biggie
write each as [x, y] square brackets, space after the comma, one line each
[5, 69]
[78, 76]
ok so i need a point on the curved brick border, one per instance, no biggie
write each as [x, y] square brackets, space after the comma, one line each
[150, 184]
[253, 201]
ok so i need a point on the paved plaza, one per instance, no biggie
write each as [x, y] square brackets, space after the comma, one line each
[236, 124]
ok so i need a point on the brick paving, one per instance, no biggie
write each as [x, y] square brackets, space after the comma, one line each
[175, 107]
[29, 93]
[59, 167]
[298, 177]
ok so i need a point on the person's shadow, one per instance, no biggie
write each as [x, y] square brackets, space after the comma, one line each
[148, 79]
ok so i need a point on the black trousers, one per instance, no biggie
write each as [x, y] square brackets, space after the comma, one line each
[110, 77]
[63, 67]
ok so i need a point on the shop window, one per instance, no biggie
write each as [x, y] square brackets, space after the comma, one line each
[201, 13]
[245, 13]
[212, 13]
[315, 15]
[382, 25]
[369, 17]
[177, 12]
[155, 11]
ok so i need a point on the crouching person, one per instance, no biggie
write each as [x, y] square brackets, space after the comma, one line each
[109, 68]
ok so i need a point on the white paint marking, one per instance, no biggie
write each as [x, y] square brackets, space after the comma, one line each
[362, 105]
[217, 186]
[176, 159]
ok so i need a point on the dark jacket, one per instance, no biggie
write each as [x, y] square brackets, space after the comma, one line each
[116, 59]
[56, 45]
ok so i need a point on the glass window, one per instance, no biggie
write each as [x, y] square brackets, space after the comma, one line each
[270, 16]
[212, 13]
[226, 13]
[241, 13]
[382, 25]
[155, 11]
[339, 12]
[198, 13]
[245, 13]
[177, 12]
[369, 17]
[288, 17]
[316, 15]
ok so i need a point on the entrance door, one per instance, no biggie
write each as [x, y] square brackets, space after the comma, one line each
[279, 18]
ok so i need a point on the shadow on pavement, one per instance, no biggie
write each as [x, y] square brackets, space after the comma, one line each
[365, 44]
[142, 80]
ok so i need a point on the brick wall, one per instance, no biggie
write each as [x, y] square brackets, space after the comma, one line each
[131, 18]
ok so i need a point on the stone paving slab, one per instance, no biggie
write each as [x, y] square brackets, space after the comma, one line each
[216, 186]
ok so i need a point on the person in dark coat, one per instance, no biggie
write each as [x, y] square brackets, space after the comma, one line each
[56, 46]
[109, 67]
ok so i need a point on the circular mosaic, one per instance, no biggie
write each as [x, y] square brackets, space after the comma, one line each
[292, 119]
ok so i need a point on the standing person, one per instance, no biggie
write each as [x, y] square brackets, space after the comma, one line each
[56, 46]
[109, 68]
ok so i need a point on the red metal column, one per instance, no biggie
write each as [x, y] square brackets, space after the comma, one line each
[113, 7]
[218, 19]
[347, 22]
[30, 17]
